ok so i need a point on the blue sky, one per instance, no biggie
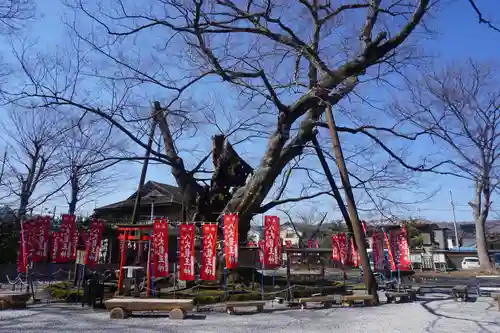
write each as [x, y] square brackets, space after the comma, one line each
[458, 36]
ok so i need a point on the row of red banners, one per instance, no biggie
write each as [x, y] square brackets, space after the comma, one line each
[35, 240]
[344, 251]
[271, 254]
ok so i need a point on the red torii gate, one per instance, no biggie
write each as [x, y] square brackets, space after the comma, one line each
[139, 233]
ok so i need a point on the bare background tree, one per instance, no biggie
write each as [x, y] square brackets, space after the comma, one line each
[15, 13]
[460, 108]
[88, 151]
[481, 16]
[32, 137]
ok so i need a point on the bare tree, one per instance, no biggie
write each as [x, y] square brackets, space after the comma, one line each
[481, 17]
[305, 225]
[460, 108]
[33, 139]
[87, 153]
[14, 13]
[283, 61]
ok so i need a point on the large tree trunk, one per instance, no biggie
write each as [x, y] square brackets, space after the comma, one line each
[480, 207]
[74, 196]
[482, 245]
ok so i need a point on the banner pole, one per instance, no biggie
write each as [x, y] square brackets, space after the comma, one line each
[263, 261]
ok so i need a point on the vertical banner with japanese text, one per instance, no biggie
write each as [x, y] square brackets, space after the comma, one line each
[399, 242]
[41, 241]
[160, 248]
[342, 245]
[94, 242]
[378, 252]
[390, 252]
[209, 252]
[309, 243]
[55, 254]
[335, 248]
[231, 240]
[186, 255]
[30, 229]
[68, 226]
[75, 241]
[271, 241]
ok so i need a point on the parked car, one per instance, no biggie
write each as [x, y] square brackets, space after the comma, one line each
[470, 263]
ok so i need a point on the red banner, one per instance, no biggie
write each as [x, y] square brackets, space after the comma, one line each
[378, 252]
[335, 248]
[55, 253]
[251, 244]
[160, 248]
[186, 255]
[310, 243]
[41, 238]
[30, 230]
[75, 241]
[94, 242]
[209, 252]
[400, 251]
[68, 226]
[271, 241]
[231, 240]
[389, 250]
[342, 244]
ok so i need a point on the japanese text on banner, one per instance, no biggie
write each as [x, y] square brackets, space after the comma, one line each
[186, 256]
[160, 248]
[42, 239]
[54, 252]
[231, 240]
[271, 241]
[342, 246]
[209, 254]
[378, 252]
[68, 227]
[94, 242]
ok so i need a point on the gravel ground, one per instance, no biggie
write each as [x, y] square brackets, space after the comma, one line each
[434, 313]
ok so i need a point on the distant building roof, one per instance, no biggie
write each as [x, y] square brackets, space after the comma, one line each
[152, 192]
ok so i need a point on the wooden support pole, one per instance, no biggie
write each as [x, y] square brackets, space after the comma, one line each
[369, 278]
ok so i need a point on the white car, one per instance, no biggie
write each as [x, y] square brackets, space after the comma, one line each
[470, 263]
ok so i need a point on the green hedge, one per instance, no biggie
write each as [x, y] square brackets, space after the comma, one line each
[64, 291]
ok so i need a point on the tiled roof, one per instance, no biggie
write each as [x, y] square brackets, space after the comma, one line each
[152, 191]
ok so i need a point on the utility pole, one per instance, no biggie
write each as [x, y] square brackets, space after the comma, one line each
[359, 237]
[454, 219]
[331, 181]
[142, 179]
